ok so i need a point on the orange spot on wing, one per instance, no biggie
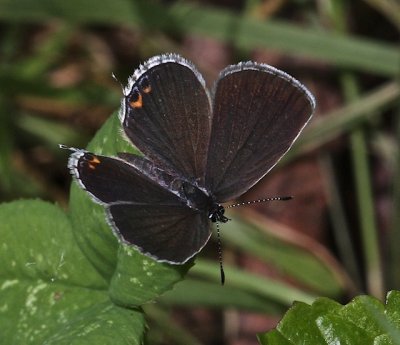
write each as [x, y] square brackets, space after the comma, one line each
[138, 102]
[93, 161]
[147, 89]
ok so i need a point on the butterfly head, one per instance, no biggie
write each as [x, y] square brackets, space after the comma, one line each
[216, 214]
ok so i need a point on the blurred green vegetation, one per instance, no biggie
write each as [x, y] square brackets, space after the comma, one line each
[56, 60]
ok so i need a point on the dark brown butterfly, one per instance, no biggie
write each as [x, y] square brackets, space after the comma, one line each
[200, 149]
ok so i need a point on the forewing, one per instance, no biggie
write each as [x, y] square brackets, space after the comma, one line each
[166, 113]
[259, 112]
[113, 180]
[170, 234]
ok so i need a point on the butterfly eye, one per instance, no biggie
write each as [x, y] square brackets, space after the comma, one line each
[135, 99]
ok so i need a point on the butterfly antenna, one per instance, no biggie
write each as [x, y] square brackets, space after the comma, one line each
[220, 255]
[117, 80]
[65, 147]
[276, 198]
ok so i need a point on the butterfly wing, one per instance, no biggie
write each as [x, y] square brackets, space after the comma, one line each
[170, 234]
[259, 112]
[111, 180]
[145, 206]
[166, 113]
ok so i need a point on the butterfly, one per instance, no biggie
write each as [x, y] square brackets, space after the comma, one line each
[200, 149]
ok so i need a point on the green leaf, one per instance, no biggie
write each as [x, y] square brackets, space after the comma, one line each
[365, 320]
[103, 323]
[49, 292]
[139, 279]
[37, 243]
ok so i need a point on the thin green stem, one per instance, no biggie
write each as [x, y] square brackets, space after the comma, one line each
[394, 234]
[361, 168]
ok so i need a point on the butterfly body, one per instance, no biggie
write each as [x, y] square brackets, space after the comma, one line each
[200, 149]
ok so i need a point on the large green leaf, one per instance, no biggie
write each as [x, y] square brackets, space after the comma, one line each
[49, 292]
[365, 320]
